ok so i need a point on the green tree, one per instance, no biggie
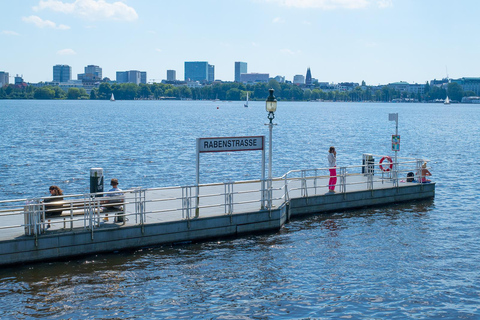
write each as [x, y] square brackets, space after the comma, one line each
[104, 91]
[234, 94]
[93, 94]
[73, 93]
[44, 93]
[455, 91]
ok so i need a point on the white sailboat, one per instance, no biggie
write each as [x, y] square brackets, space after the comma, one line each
[112, 98]
[447, 100]
[246, 102]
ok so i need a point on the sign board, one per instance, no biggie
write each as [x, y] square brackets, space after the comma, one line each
[395, 142]
[228, 144]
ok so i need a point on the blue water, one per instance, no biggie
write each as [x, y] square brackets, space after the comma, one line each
[406, 261]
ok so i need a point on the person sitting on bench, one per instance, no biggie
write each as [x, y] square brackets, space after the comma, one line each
[117, 197]
[55, 206]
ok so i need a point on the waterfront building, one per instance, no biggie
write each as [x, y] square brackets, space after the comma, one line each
[211, 73]
[403, 86]
[196, 71]
[4, 78]
[299, 79]
[132, 76]
[62, 73]
[469, 84]
[252, 78]
[171, 75]
[240, 67]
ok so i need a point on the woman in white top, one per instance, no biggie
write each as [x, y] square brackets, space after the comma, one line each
[332, 163]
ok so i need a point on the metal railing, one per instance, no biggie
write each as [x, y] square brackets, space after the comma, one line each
[135, 206]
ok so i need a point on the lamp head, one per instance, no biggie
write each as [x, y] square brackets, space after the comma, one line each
[271, 103]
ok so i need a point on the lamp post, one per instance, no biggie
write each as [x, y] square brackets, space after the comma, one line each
[271, 107]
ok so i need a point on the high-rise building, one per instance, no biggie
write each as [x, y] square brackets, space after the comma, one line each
[92, 73]
[196, 70]
[171, 75]
[95, 70]
[4, 78]
[132, 76]
[18, 79]
[62, 73]
[308, 78]
[240, 67]
[299, 79]
[211, 73]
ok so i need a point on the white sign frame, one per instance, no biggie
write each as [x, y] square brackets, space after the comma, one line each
[229, 144]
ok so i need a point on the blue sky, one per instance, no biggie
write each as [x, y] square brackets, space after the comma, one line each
[379, 41]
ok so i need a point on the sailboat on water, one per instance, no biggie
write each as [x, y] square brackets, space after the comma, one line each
[112, 98]
[447, 100]
[246, 102]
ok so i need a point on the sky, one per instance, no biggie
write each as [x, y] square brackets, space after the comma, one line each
[376, 41]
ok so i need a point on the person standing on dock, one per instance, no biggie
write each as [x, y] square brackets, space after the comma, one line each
[332, 163]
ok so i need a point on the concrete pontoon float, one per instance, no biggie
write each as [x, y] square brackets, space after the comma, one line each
[155, 216]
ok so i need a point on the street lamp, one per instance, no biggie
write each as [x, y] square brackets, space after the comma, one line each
[271, 107]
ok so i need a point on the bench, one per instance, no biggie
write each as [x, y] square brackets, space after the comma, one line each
[46, 213]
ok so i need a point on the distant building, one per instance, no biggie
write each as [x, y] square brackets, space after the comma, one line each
[469, 84]
[251, 78]
[132, 76]
[211, 73]
[196, 71]
[308, 78]
[19, 80]
[299, 79]
[4, 78]
[403, 86]
[171, 75]
[280, 79]
[240, 67]
[62, 73]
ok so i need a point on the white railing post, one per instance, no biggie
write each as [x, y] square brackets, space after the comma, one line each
[343, 175]
[304, 190]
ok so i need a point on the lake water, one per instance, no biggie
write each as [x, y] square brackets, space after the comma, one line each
[406, 261]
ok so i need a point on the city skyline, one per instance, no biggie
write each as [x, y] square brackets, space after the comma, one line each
[350, 40]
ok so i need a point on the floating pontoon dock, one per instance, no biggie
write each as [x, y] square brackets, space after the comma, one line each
[176, 214]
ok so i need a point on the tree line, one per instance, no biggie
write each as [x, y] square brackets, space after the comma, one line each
[231, 91]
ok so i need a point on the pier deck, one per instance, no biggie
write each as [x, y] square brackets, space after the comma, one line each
[169, 215]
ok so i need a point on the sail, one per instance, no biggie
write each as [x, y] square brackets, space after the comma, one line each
[112, 98]
[246, 103]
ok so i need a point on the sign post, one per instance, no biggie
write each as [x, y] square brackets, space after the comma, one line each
[229, 144]
[395, 143]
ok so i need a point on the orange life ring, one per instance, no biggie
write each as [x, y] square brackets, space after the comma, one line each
[387, 167]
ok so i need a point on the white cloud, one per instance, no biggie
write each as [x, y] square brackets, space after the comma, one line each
[91, 9]
[331, 4]
[10, 33]
[66, 52]
[290, 52]
[40, 23]
[278, 20]
[385, 3]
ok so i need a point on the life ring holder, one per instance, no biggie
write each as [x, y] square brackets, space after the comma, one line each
[387, 167]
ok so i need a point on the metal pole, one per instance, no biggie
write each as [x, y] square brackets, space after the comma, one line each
[263, 173]
[270, 127]
[197, 180]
